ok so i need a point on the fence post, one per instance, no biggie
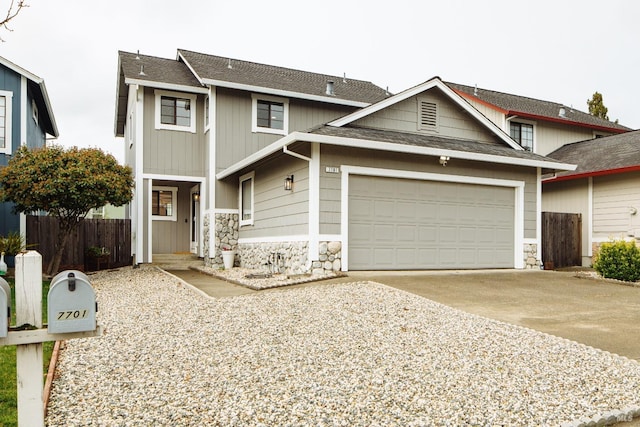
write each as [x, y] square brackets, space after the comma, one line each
[28, 276]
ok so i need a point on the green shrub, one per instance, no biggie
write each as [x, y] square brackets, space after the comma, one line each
[618, 260]
[13, 244]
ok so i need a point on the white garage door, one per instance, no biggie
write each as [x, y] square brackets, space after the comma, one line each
[403, 224]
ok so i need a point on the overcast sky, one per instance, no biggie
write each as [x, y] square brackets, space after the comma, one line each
[560, 51]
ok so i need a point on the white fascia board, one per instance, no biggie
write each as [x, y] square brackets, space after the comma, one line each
[429, 84]
[285, 93]
[18, 69]
[388, 146]
[47, 103]
[180, 57]
[167, 86]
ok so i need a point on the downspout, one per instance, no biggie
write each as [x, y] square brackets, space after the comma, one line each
[314, 198]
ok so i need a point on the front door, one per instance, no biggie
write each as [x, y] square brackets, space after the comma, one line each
[195, 218]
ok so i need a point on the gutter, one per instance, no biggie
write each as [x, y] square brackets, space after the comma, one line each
[603, 172]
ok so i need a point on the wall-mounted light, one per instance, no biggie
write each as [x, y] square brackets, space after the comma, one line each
[288, 183]
[444, 160]
[196, 197]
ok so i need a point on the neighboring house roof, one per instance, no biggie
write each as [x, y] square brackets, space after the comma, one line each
[39, 91]
[401, 142]
[234, 73]
[600, 156]
[434, 82]
[536, 109]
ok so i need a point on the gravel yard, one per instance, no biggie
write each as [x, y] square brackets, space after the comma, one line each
[357, 354]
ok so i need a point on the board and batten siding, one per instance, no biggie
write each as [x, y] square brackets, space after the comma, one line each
[330, 184]
[451, 120]
[170, 152]
[234, 137]
[278, 212]
[613, 198]
[569, 197]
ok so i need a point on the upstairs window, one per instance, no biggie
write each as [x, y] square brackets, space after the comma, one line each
[522, 133]
[270, 115]
[175, 111]
[5, 121]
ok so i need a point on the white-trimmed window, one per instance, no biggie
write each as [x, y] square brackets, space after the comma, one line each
[269, 114]
[164, 203]
[5, 121]
[427, 115]
[206, 113]
[34, 111]
[246, 199]
[175, 111]
[522, 133]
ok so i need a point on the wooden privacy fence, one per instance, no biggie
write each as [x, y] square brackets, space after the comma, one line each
[112, 234]
[561, 239]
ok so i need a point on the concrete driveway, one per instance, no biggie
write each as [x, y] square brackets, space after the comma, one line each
[598, 313]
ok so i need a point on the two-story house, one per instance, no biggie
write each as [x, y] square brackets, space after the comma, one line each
[328, 172]
[26, 118]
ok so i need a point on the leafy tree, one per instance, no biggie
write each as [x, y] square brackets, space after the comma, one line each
[596, 106]
[66, 183]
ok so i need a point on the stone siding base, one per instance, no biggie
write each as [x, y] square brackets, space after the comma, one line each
[275, 257]
[531, 259]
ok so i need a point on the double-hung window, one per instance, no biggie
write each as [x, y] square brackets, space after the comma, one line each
[5, 121]
[175, 111]
[522, 133]
[270, 114]
[246, 199]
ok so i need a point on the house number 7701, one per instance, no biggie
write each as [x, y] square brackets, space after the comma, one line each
[72, 314]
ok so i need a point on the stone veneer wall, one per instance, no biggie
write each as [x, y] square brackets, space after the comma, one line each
[225, 231]
[330, 258]
[260, 256]
[531, 260]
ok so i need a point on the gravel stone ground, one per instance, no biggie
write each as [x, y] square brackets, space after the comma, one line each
[357, 354]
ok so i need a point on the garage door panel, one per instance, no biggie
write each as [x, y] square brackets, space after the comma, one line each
[411, 224]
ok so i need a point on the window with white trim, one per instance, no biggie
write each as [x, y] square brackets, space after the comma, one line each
[5, 121]
[522, 133]
[269, 114]
[164, 203]
[427, 115]
[246, 199]
[175, 111]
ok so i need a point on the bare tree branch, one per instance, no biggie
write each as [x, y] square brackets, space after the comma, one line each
[14, 9]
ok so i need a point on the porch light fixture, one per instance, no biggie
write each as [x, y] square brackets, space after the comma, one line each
[196, 197]
[288, 183]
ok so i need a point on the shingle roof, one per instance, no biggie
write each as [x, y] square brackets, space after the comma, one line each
[216, 68]
[537, 108]
[156, 69]
[425, 140]
[617, 152]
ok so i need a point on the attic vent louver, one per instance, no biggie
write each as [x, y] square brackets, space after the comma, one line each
[330, 91]
[428, 115]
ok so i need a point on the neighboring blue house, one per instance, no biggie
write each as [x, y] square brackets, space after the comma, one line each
[26, 118]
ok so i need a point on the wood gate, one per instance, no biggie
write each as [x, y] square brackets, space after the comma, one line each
[561, 239]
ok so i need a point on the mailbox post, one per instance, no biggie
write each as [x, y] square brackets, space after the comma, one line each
[29, 334]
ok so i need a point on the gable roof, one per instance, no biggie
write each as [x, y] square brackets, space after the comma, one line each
[600, 156]
[535, 108]
[41, 97]
[402, 142]
[434, 82]
[251, 76]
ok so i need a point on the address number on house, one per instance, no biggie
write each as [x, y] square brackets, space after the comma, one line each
[72, 314]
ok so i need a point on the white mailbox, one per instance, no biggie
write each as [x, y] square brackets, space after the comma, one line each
[71, 303]
[5, 313]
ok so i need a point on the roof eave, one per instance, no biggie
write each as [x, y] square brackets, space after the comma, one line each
[603, 172]
[389, 146]
[285, 93]
[167, 86]
[565, 121]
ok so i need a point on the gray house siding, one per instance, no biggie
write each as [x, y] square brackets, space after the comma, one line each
[451, 120]
[36, 136]
[330, 184]
[169, 152]
[173, 235]
[278, 212]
